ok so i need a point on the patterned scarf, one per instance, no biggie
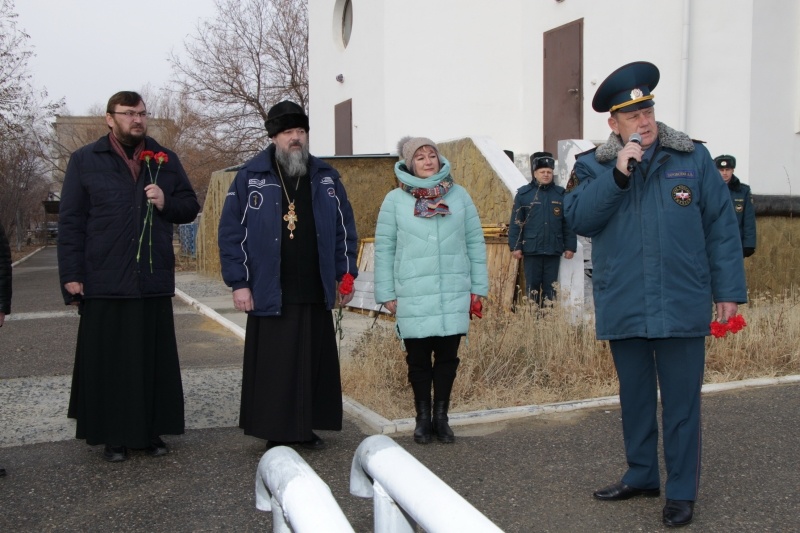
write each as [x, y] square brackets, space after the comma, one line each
[135, 165]
[429, 201]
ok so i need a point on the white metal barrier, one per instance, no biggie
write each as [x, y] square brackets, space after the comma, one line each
[299, 500]
[405, 493]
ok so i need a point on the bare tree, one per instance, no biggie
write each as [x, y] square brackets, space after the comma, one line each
[184, 130]
[23, 128]
[253, 55]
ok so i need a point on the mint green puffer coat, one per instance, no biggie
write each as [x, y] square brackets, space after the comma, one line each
[429, 265]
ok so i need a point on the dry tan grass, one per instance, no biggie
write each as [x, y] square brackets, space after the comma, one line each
[532, 357]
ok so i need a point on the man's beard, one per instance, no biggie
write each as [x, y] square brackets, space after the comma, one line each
[131, 139]
[128, 138]
[293, 162]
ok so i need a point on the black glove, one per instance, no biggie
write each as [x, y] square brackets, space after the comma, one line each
[748, 251]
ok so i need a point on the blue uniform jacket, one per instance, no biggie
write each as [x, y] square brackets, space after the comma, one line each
[250, 231]
[663, 248]
[538, 225]
[745, 211]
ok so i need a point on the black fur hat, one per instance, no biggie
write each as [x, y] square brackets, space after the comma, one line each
[284, 116]
[725, 161]
[541, 160]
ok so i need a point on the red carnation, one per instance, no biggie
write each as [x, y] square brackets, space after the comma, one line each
[736, 324]
[719, 330]
[160, 157]
[346, 285]
[147, 155]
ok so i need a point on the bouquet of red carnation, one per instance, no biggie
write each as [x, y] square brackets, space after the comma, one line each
[734, 325]
[160, 158]
[346, 285]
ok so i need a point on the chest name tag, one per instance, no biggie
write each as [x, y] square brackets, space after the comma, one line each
[679, 174]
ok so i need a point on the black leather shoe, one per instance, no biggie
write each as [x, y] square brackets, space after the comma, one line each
[115, 454]
[316, 443]
[621, 491]
[677, 513]
[2, 472]
[157, 447]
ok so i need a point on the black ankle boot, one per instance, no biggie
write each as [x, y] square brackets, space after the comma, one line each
[422, 433]
[440, 425]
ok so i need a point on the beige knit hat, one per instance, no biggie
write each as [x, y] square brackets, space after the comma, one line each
[407, 147]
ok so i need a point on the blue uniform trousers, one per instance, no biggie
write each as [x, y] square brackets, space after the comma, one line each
[674, 365]
[541, 271]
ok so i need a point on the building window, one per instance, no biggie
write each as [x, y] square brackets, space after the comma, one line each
[347, 22]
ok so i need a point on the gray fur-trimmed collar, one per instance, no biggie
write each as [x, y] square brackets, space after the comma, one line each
[667, 137]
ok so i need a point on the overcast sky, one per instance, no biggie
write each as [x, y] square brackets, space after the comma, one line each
[86, 50]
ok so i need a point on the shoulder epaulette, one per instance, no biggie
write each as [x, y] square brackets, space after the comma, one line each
[589, 151]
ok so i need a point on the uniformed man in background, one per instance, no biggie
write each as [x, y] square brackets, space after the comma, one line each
[742, 202]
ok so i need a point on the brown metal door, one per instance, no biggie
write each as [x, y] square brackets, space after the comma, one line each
[343, 127]
[562, 84]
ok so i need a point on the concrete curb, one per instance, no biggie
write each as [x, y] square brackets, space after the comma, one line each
[384, 426]
[15, 263]
[203, 309]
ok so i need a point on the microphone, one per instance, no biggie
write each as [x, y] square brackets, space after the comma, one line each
[634, 138]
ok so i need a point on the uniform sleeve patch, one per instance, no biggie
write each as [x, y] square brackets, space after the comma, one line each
[680, 174]
[573, 181]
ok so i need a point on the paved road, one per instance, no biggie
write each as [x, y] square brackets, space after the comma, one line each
[532, 474]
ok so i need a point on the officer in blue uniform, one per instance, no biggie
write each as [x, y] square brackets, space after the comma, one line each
[666, 251]
[742, 202]
[538, 230]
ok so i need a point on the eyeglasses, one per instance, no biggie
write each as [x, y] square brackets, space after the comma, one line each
[131, 114]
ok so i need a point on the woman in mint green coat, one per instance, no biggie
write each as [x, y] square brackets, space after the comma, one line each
[430, 267]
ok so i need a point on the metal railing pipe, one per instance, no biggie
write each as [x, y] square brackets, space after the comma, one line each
[299, 500]
[405, 493]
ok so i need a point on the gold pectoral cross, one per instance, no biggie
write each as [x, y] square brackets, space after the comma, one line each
[291, 218]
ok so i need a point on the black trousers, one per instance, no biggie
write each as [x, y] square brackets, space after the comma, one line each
[441, 372]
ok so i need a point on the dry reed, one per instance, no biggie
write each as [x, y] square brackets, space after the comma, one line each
[535, 356]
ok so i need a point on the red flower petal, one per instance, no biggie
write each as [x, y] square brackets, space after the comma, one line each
[736, 324]
[147, 155]
[160, 157]
[346, 285]
[718, 330]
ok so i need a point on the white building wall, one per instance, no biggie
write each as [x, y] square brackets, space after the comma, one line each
[720, 63]
[361, 64]
[774, 144]
[456, 68]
